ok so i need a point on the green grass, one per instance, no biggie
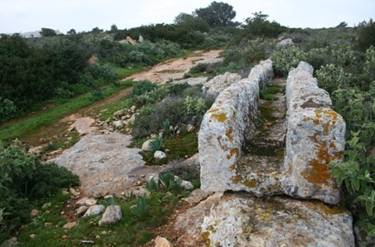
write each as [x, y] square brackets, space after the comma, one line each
[178, 147]
[29, 124]
[269, 92]
[108, 110]
[140, 216]
[62, 142]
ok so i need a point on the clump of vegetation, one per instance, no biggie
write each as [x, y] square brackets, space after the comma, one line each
[353, 93]
[23, 181]
[141, 215]
[259, 26]
[366, 35]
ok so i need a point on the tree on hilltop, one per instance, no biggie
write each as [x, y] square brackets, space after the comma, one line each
[217, 14]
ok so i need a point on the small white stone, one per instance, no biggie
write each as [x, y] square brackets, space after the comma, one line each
[94, 210]
[160, 155]
[85, 201]
[187, 185]
[147, 145]
[70, 225]
[162, 242]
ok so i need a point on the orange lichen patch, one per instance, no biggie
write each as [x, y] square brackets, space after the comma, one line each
[220, 117]
[319, 112]
[233, 151]
[229, 134]
[318, 171]
[326, 209]
[206, 239]
[251, 183]
[236, 179]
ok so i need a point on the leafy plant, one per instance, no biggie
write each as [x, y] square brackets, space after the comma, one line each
[24, 179]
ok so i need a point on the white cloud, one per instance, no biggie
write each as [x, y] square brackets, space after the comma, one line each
[28, 15]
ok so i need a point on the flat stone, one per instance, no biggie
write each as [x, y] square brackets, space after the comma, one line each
[94, 210]
[70, 225]
[85, 201]
[103, 163]
[241, 220]
[83, 125]
[162, 242]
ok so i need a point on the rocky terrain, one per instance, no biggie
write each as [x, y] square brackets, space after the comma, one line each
[260, 158]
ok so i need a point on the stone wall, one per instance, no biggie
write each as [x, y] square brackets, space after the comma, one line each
[315, 137]
[222, 131]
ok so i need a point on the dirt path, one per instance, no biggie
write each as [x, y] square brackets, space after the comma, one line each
[160, 73]
[175, 68]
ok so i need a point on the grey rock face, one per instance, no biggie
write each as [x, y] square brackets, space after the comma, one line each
[222, 131]
[285, 43]
[315, 138]
[103, 162]
[217, 84]
[111, 215]
[241, 220]
[94, 210]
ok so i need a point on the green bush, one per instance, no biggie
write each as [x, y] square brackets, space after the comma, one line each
[259, 26]
[287, 58]
[143, 87]
[168, 105]
[23, 180]
[7, 109]
[332, 77]
[366, 35]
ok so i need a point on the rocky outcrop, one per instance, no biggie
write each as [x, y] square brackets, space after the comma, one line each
[285, 43]
[217, 84]
[103, 162]
[234, 157]
[222, 132]
[242, 220]
[315, 138]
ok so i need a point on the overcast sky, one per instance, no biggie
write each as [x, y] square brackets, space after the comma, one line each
[83, 15]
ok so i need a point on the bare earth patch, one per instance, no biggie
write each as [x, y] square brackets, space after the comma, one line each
[174, 69]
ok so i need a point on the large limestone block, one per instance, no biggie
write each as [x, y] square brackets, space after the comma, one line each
[315, 138]
[242, 220]
[262, 73]
[103, 162]
[222, 133]
[224, 127]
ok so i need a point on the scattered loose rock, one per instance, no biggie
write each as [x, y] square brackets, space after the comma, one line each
[34, 213]
[112, 214]
[70, 225]
[81, 210]
[147, 145]
[159, 155]
[85, 201]
[94, 210]
[162, 242]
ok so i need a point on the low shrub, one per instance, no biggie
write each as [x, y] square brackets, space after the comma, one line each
[286, 58]
[143, 87]
[7, 109]
[23, 180]
[366, 35]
